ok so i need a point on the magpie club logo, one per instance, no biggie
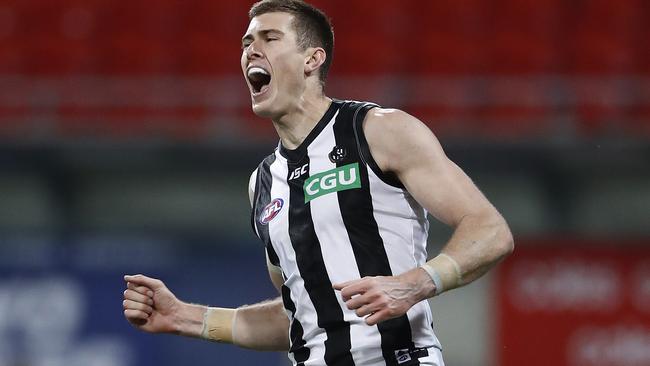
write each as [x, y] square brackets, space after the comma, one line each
[271, 211]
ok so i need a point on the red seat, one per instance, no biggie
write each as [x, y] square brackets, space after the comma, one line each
[446, 36]
[204, 53]
[513, 107]
[128, 53]
[446, 53]
[57, 55]
[11, 55]
[602, 36]
[599, 52]
[522, 37]
[455, 16]
[512, 52]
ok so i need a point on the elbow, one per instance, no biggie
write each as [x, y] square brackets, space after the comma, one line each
[506, 243]
[501, 242]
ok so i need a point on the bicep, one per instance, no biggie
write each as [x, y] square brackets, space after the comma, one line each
[406, 147]
[440, 186]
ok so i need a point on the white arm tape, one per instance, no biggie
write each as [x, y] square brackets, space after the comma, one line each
[444, 272]
[219, 325]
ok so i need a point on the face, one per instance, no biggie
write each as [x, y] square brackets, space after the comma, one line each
[273, 65]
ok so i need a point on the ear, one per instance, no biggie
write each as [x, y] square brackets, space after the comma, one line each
[314, 59]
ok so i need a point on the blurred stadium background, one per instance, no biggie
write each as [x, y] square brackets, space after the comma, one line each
[126, 142]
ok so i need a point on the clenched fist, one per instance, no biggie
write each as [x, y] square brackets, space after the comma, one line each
[149, 305]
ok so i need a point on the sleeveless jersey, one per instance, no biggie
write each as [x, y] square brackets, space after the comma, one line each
[327, 214]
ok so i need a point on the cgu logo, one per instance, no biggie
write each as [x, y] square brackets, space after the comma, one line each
[271, 211]
[339, 179]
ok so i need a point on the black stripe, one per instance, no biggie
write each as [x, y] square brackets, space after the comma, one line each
[273, 256]
[262, 198]
[296, 332]
[309, 259]
[366, 156]
[367, 244]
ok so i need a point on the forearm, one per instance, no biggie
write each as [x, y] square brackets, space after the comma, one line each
[263, 326]
[479, 242]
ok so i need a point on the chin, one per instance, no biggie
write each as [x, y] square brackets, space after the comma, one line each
[265, 109]
[262, 110]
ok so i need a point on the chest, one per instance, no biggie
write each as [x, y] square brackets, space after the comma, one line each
[299, 189]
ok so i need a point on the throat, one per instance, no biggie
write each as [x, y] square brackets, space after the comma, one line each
[293, 136]
[293, 128]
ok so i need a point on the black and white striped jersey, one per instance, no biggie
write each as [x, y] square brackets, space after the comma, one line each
[327, 214]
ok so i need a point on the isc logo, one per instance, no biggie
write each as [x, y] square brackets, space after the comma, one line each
[271, 211]
[339, 179]
[299, 171]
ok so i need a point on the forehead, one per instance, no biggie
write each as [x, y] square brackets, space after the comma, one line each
[276, 20]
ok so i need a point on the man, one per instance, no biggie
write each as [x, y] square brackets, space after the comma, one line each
[341, 207]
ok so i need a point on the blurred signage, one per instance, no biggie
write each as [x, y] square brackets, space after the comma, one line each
[574, 305]
[61, 303]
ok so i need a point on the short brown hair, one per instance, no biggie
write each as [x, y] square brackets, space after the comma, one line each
[312, 26]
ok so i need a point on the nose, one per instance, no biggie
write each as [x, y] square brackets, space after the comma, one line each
[253, 51]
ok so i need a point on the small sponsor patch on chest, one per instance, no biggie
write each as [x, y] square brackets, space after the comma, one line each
[330, 181]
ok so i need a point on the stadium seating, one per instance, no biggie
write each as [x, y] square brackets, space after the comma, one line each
[569, 44]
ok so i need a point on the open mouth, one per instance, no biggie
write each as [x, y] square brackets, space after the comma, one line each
[258, 78]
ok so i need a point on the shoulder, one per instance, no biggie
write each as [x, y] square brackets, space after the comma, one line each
[395, 137]
[382, 120]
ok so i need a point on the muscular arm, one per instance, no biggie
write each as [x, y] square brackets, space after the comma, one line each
[150, 306]
[481, 236]
[402, 145]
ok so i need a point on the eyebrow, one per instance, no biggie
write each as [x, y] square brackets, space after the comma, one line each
[263, 32]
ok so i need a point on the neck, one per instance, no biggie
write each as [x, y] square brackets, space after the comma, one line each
[294, 126]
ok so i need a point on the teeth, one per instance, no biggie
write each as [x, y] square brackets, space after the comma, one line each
[257, 70]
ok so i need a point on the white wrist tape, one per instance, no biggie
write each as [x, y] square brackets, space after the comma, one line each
[219, 325]
[444, 272]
